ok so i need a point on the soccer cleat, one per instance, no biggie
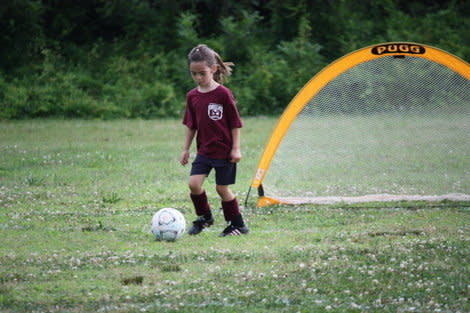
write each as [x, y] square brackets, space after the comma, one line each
[232, 230]
[199, 224]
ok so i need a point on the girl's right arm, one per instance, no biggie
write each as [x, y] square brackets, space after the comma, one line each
[187, 145]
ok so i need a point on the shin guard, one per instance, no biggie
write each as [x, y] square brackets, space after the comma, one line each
[201, 205]
[231, 209]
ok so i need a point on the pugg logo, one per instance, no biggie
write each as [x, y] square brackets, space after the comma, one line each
[394, 48]
[215, 111]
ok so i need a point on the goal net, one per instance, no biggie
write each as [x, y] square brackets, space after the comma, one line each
[396, 127]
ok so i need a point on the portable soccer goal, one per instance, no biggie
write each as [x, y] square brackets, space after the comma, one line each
[389, 122]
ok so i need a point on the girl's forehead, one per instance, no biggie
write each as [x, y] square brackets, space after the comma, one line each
[199, 66]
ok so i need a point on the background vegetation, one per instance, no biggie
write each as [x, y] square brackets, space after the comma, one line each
[122, 58]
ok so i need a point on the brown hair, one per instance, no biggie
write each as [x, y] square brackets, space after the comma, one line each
[202, 53]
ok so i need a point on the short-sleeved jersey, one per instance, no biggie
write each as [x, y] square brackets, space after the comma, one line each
[213, 115]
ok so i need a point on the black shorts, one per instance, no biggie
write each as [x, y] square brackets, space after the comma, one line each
[225, 171]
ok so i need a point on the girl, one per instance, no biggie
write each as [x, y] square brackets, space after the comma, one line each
[212, 116]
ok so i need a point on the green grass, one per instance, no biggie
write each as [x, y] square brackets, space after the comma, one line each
[76, 202]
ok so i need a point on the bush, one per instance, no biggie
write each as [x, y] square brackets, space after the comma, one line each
[15, 101]
[131, 60]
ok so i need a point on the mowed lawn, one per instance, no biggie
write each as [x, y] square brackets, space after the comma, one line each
[77, 197]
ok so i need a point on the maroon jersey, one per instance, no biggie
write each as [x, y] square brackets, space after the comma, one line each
[213, 115]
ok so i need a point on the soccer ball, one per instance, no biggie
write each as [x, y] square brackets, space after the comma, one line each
[168, 224]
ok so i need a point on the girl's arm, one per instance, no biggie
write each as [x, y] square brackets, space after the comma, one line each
[235, 154]
[187, 144]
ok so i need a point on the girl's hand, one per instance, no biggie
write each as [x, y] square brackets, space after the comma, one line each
[235, 155]
[184, 157]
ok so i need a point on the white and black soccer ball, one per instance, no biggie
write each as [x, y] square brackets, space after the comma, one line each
[168, 224]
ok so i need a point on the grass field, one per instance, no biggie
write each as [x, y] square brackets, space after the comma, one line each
[76, 201]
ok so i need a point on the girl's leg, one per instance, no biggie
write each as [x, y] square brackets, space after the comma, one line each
[201, 205]
[195, 184]
[224, 192]
[230, 206]
[225, 176]
[198, 195]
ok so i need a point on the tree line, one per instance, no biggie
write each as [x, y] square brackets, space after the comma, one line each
[127, 58]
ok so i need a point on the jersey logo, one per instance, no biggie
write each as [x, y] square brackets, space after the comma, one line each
[215, 111]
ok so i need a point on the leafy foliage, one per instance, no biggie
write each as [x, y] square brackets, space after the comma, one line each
[109, 59]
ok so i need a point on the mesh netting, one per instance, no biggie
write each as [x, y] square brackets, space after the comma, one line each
[398, 126]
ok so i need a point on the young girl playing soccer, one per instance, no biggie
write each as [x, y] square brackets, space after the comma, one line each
[212, 116]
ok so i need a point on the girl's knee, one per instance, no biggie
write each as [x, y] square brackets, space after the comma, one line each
[195, 184]
[224, 192]
[221, 189]
[195, 188]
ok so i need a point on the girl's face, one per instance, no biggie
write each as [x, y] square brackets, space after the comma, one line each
[201, 73]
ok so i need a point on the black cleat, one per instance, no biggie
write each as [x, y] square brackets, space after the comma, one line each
[199, 224]
[232, 230]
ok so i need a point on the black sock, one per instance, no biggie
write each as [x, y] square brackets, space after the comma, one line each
[237, 221]
[208, 216]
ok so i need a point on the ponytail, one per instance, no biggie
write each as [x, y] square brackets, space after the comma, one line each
[202, 53]
[224, 69]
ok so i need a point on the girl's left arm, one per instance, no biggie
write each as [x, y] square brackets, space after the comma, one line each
[235, 154]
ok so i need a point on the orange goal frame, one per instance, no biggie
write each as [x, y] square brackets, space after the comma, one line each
[329, 73]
